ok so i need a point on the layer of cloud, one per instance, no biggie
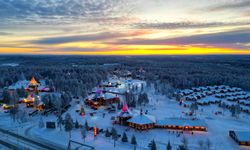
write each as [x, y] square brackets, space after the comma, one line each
[103, 36]
[5, 33]
[186, 25]
[35, 10]
[231, 5]
[223, 38]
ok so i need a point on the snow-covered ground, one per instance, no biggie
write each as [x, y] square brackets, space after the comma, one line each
[159, 106]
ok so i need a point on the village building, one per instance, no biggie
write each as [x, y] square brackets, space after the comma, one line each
[124, 115]
[182, 124]
[241, 137]
[208, 101]
[142, 121]
[101, 99]
[30, 85]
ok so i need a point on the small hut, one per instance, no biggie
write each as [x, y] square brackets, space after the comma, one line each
[124, 115]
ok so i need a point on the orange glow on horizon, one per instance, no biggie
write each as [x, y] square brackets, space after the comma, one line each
[133, 51]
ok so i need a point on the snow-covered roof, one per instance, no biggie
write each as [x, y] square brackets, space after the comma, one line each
[25, 84]
[209, 99]
[125, 112]
[142, 119]
[19, 85]
[108, 96]
[102, 95]
[245, 102]
[243, 135]
[181, 122]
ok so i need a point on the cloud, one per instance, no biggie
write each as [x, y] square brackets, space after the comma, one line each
[50, 10]
[231, 6]
[5, 33]
[186, 25]
[86, 37]
[238, 37]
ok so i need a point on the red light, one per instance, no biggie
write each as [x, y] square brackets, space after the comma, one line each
[95, 131]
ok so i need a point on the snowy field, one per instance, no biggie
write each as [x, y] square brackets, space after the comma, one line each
[159, 106]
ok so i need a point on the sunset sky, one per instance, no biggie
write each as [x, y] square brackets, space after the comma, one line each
[125, 27]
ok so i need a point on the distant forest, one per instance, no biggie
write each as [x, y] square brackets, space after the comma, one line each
[79, 74]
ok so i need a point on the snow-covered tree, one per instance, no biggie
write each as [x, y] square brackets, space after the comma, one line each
[208, 144]
[36, 101]
[134, 142]
[107, 133]
[114, 135]
[76, 124]
[59, 122]
[124, 137]
[152, 145]
[41, 123]
[86, 125]
[83, 133]
[14, 113]
[69, 124]
[184, 142]
[6, 96]
[223, 106]
[201, 144]
[194, 107]
[169, 147]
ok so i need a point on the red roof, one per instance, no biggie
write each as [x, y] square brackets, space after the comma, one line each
[125, 108]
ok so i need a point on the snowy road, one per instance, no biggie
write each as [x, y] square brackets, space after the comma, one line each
[10, 139]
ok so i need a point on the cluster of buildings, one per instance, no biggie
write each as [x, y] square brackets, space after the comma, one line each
[195, 94]
[110, 91]
[216, 95]
[33, 88]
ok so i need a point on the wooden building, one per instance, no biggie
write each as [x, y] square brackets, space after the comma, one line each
[142, 122]
[241, 137]
[101, 99]
[182, 124]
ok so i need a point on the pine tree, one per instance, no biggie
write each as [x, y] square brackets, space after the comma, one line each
[223, 106]
[169, 147]
[182, 147]
[233, 111]
[69, 124]
[60, 121]
[76, 124]
[6, 96]
[201, 144]
[114, 135]
[124, 137]
[208, 144]
[152, 145]
[107, 133]
[194, 107]
[41, 123]
[134, 142]
[237, 110]
[86, 125]
[83, 133]
[185, 142]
